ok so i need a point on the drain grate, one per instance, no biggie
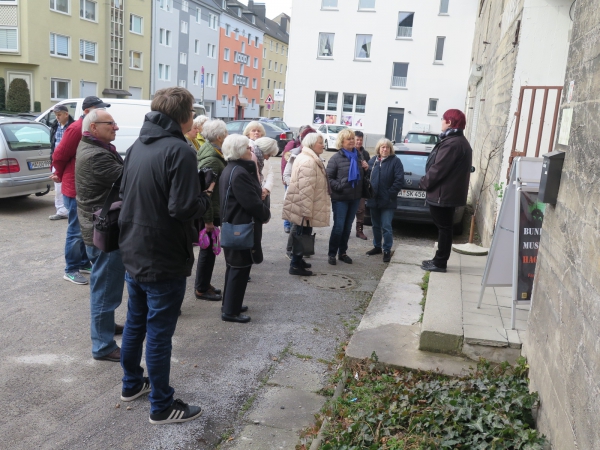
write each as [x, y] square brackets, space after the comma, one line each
[330, 281]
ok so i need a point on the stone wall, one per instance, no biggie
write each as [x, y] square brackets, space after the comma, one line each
[564, 344]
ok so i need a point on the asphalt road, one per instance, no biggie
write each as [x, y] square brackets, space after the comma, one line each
[53, 395]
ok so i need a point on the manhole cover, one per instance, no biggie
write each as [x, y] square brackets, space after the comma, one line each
[330, 281]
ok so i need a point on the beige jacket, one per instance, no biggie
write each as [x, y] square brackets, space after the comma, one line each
[307, 195]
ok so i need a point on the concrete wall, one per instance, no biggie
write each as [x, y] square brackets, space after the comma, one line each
[564, 331]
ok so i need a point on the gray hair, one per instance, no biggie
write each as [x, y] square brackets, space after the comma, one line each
[311, 139]
[252, 125]
[234, 147]
[267, 146]
[213, 130]
[199, 121]
[90, 118]
[381, 143]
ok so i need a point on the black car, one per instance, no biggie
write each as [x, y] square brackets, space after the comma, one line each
[411, 206]
[281, 136]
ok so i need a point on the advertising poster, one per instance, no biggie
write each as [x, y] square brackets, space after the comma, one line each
[319, 119]
[358, 122]
[346, 120]
[331, 119]
[530, 231]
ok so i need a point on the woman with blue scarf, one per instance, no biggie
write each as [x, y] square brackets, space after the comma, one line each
[346, 171]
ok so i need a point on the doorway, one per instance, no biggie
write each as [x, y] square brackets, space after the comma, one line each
[393, 128]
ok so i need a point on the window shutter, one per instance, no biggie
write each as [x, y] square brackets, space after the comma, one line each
[62, 45]
[52, 46]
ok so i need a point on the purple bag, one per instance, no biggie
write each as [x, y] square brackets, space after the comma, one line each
[106, 221]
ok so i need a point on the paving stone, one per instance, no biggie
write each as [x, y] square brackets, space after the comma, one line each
[485, 335]
[490, 310]
[514, 341]
[489, 298]
[470, 318]
[471, 279]
[260, 437]
[411, 254]
[521, 314]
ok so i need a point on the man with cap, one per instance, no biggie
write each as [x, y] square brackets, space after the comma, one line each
[63, 161]
[63, 120]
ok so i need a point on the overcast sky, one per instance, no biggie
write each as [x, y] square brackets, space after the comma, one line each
[275, 7]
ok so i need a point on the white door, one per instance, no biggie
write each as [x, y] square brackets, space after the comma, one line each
[88, 88]
[136, 92]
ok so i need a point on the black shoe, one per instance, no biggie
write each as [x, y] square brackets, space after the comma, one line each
[128, 396]
[300, 271]
[387, 256]
[217, 291]
[331, 260]
[374, 251]
[345, 258]
[427, 262]
[177, 412]
[209, 295]
[119, 329]
[304, 264]
[242, 309]
[433, 268]
[240, 318]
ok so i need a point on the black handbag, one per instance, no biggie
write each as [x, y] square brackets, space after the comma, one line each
[367, 188]
[106, 221]
[303, 244]
[236, 237]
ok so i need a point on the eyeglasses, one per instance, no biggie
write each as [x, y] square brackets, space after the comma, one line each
[112, 124]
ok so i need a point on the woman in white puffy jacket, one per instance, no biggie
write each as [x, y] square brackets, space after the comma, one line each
[264, 148]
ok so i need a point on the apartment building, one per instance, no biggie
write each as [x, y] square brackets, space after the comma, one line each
[75, 48]
[378, 66]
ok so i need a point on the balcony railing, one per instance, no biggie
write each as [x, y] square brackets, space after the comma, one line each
[404, 31]
[398, 81]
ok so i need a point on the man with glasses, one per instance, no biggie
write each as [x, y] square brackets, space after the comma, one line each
[63, 160]
[98, 166]
[62, 122]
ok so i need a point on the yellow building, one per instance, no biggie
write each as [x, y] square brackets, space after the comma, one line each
[75, 48]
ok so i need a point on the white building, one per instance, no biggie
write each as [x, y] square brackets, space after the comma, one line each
[381, 66]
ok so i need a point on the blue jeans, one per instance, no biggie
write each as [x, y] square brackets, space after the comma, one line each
[75, 254]
[343, 216]
[382, 221]
[106, 292]
[152, 313]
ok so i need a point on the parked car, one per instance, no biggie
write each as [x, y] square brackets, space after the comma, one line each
[330, 133]
[278, 123]
[411, 206]
[24, 158]
[281, 136]
[421, 141]
[129, 115]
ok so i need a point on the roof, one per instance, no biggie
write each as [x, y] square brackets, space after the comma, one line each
[267, 26]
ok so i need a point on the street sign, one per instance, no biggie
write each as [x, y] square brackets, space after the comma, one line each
[269, 99]
[279, 95]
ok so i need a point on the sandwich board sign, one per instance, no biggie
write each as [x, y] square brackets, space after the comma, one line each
[269, 100]
[513, 254]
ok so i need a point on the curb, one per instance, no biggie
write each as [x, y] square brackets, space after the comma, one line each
[338, 391]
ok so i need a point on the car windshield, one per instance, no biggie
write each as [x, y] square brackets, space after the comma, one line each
[335, 128]
[413, 163]
[415, 138]
[275, 127]
[26, 136]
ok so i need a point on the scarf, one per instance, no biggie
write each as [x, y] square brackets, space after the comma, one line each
[449, 132]
[353, 173]
[218, 150]
[99, 143]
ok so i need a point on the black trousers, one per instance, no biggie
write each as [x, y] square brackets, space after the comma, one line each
[236, 280]
[442, 218]
[205, 267]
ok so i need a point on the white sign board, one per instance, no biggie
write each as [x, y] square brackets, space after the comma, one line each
[279, 95]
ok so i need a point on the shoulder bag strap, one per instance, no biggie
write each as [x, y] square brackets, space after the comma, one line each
[112, 196]
[228, 189]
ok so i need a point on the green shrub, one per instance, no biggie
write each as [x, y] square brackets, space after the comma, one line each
[18, 99]
[2, 94]
[37, 107]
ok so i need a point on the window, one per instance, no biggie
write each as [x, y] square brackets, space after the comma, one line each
[212, 51]
[223, 100]
[277, 47]
[326, 45]
[253, 103]
[363, 46]
[185, 6]
[59, 89]
[280, 85]
[243, 47]
[196, 46]
[182, 83]
[227, 29]
[249, 39]
[433, 102]
[405, 24]
[439, 49]
[198, 15]
[60, 6]
[262, 94]
[281, 68]
[225, 77]
[354, 103]
[226, 54]
[184, 27]
[87, 51]
[212, 21]
[254, 83]
[399, 75]
[271, 45]
[164, 72]
[135, 60]
[87, 10]
[264, 52]
[164, 37]
[275, 66]
[329, 4]
[444, 6]
[283, 51]
[366, 4]
[8, 39]
[210, 80]
[182, 58]
[326, 98]
[167, 5]
[256, 63]
[263, 73]
[256, 42]
[270, 64]
[268, 84]
[136, 24]
[59, 45]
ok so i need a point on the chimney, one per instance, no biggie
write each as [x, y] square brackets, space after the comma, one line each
[251, 5]
[283, 24]
[260, 9]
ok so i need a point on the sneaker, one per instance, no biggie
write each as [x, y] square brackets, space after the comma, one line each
[176, 413]
[128, 396]
[345, 258]
[331, 260]
[286, 230]
[433, 268]
[86, 269]
[300, 271]
[57, 217]
[427, 262]
[374, 251]
[305, 264]
[75, 277]
[387, 256]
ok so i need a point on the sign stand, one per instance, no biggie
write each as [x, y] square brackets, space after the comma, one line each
[519, 198]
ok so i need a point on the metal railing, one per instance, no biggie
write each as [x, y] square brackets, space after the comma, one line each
[404, 31]
[398, 81]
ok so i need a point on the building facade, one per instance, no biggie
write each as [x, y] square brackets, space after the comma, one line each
[383, 67]
[185, 47]
[69, 48]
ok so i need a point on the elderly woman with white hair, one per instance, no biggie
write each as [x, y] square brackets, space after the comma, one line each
[210, 156]
[264, 148]
[307, 203]
[241, 203]
[199, 123]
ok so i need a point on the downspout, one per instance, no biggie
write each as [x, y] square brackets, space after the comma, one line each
[152, 50]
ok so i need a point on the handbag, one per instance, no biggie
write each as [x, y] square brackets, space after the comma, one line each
[303, 244]
[106, 221]
[236, 237]
[367, 188]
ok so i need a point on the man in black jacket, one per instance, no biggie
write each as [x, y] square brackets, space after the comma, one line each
[161, 198]
[446, 181]
[62, 122]
[360, 214]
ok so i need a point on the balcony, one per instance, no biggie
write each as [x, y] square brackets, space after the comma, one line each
[399, 82]
[404, 32]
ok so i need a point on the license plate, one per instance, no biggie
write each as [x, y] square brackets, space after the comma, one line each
[38, 164]
[411, 193]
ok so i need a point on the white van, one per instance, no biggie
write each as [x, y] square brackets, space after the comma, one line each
[129, 115]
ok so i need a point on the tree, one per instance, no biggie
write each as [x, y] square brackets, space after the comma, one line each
[2, 94]
[18, 99]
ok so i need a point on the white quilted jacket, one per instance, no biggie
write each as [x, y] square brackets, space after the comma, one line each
[307, 195]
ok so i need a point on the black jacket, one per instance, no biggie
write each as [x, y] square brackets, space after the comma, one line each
[337, 172]
[387, 178]
[243, 206]
[53, 134]
[161, 198]
[447, 172]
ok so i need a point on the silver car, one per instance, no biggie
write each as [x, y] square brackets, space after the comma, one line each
[420, 141]
[24, 158]
[330, 133]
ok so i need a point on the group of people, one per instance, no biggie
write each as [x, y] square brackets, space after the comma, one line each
[167, 207]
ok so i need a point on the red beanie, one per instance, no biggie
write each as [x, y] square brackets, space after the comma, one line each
[306, 132]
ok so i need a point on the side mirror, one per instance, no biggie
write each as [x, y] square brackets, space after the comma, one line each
[393, 142]
[472, 169]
